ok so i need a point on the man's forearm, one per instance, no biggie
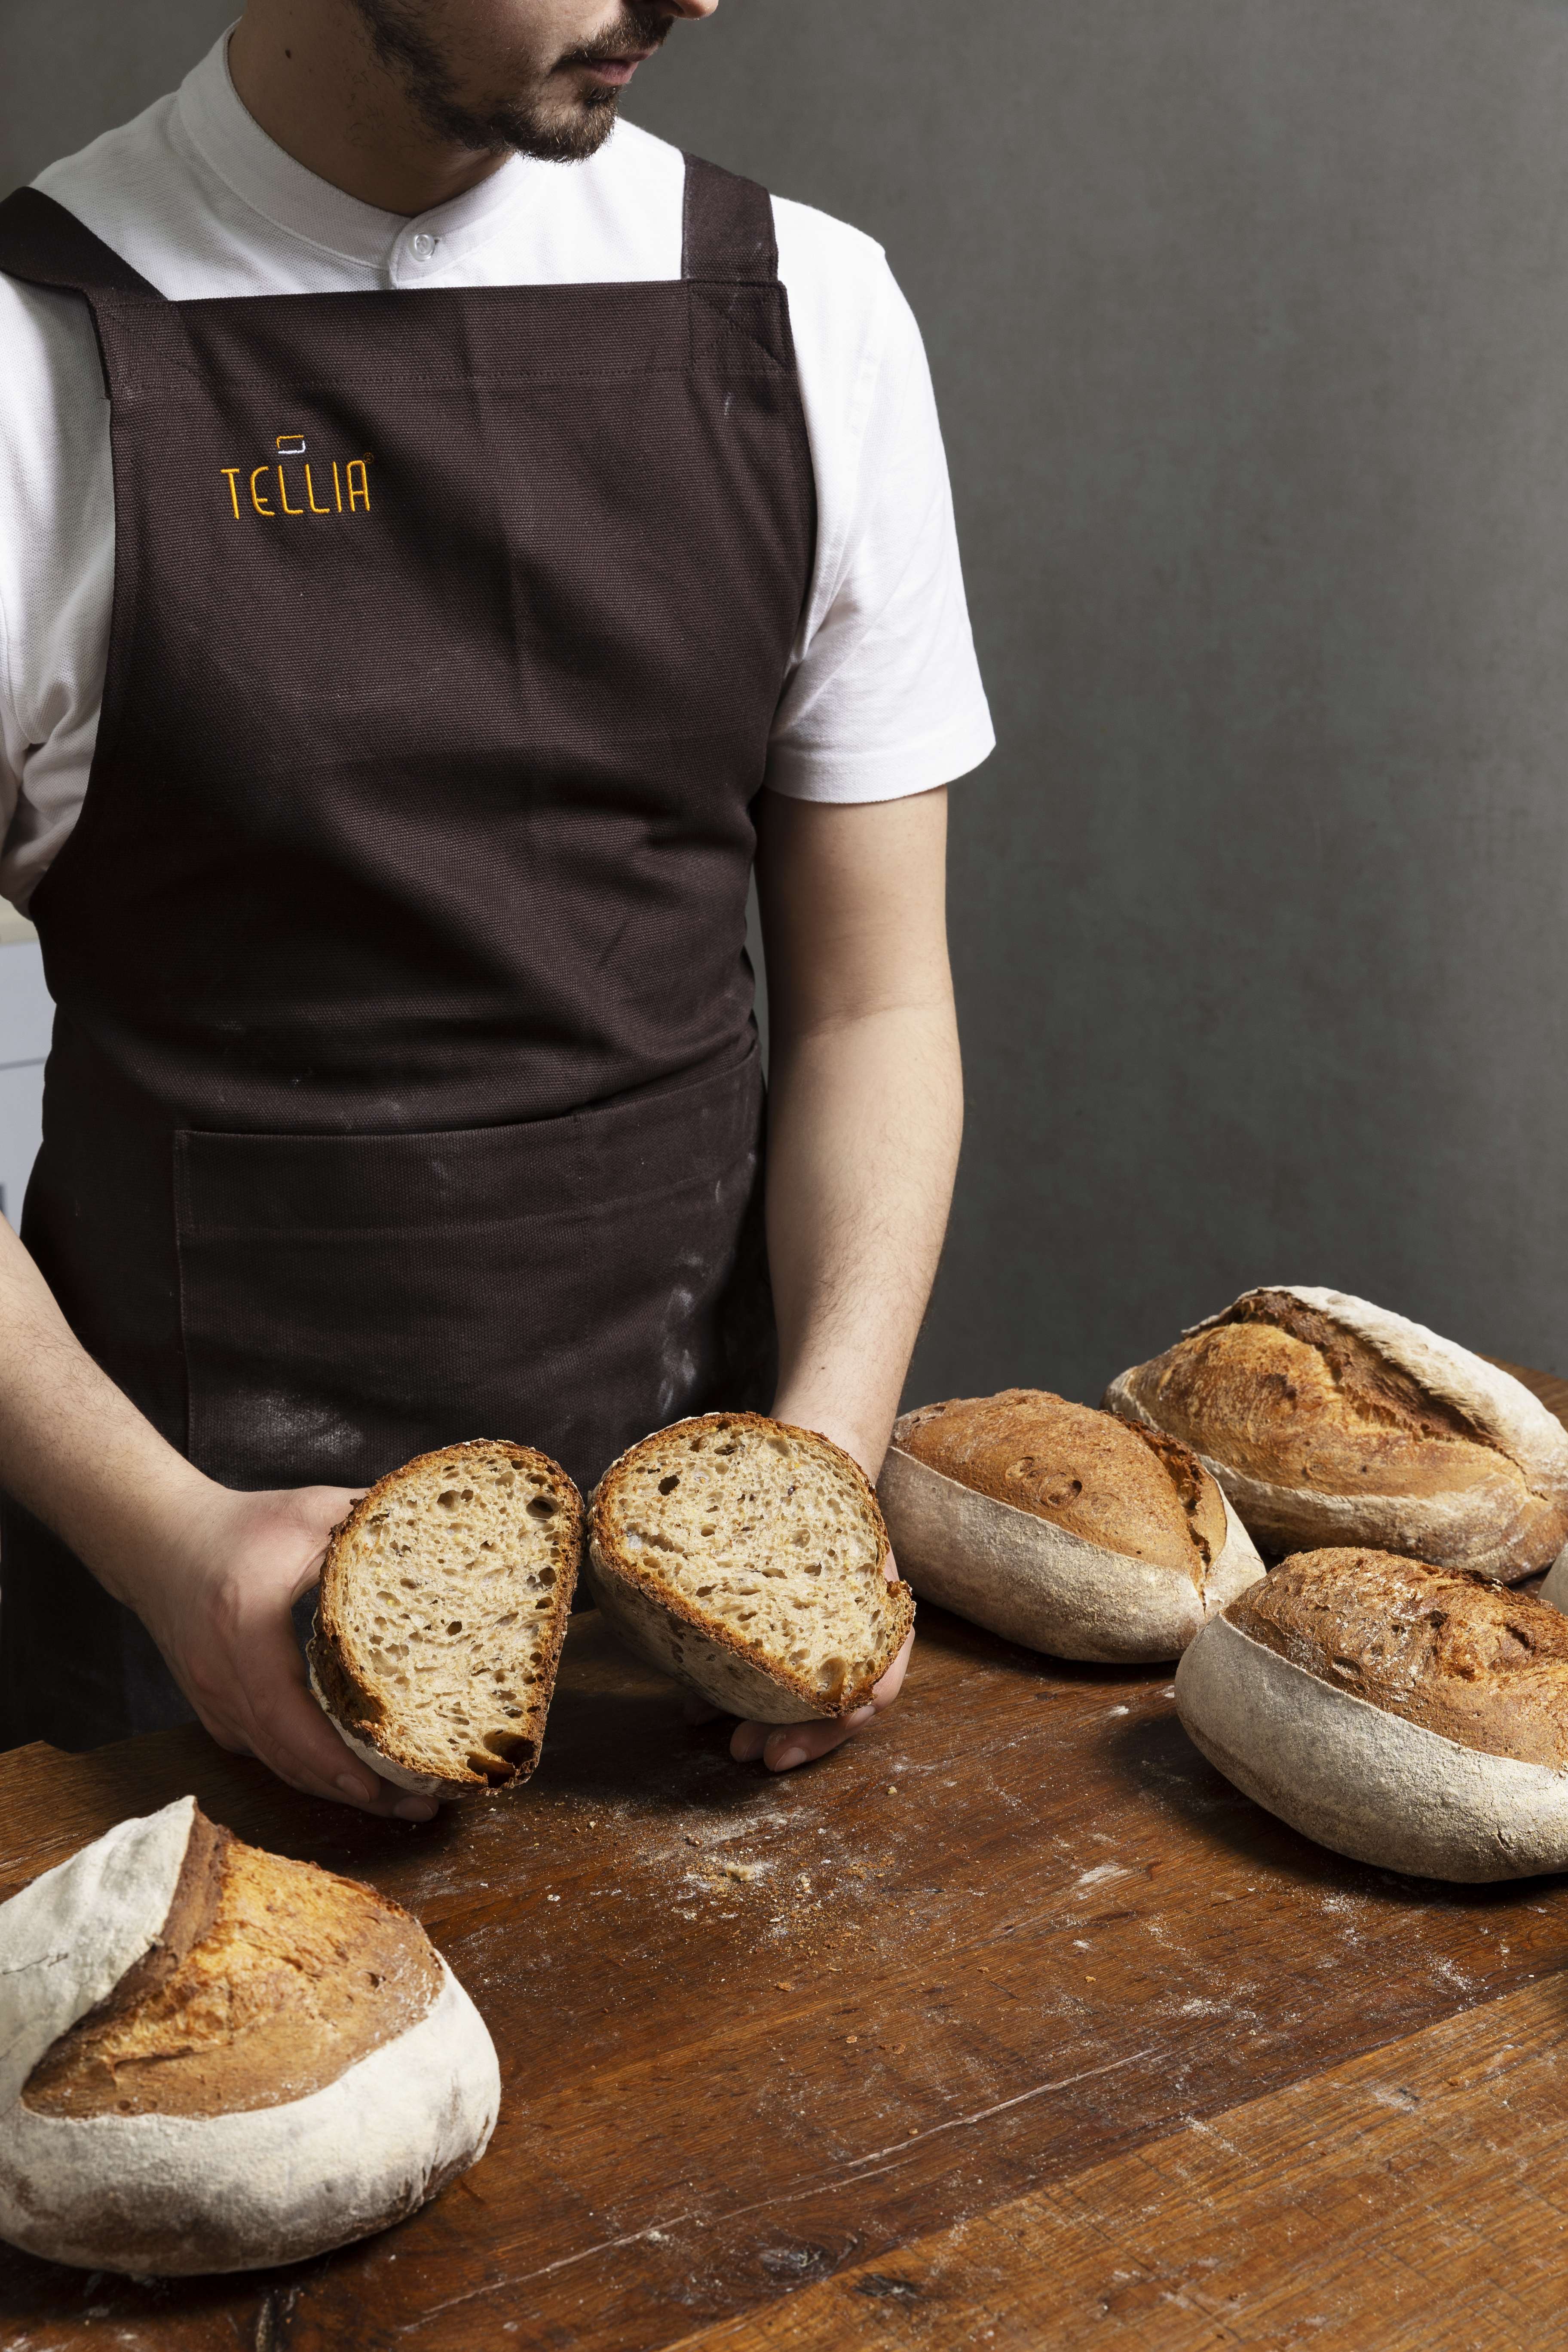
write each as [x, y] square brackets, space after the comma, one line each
[865, 1099]
[73, 1448]
[864, 1127]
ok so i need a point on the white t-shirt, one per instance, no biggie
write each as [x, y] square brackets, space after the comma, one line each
[883, 697]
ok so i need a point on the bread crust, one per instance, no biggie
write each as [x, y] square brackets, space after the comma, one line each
[703, 1653]
[180, 2193]
[1443, 1647]
[269, 1979]
[352, 1701]
[1506, 1515]
[1122, 1486]
[1360, 1779]
[1044, 1585]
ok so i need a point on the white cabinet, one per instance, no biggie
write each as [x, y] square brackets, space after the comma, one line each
[26, 1015]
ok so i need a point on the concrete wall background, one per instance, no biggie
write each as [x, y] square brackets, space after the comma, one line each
[1249, 322]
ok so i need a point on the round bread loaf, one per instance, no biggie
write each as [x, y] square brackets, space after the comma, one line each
[1331, 1422]
[1408, 1715]
[1061, 1528]
[213, 2059]
[748, 1559]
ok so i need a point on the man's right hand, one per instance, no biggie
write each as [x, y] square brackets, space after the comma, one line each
[212, 1574]
[219, 1612]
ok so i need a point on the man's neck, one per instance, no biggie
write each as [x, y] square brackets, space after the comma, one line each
[306, 71]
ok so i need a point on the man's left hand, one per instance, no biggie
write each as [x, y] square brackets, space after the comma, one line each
[782, 1746]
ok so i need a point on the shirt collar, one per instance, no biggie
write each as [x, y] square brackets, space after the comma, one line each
[233, 145]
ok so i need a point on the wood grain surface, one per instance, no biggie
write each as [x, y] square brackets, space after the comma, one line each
[1019, 1962]
[1414, 2200]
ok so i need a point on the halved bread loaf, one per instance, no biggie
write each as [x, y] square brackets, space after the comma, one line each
[444, 1602]
[1408, 1715]
[1061, 1528]
[748, 1559]
[213, 2059]
[1331, 1422]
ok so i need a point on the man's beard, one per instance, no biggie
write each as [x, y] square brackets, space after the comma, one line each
[565, 129]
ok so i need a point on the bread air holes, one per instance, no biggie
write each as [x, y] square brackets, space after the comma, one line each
[542, 1507]
[453, 1497]
[668, 1485]
[500, 1756]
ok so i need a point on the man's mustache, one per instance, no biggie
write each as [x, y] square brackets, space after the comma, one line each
[639, 28]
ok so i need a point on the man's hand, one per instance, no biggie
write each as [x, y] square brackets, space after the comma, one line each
[782, 1746]
[220, 1614]
[211, 1574]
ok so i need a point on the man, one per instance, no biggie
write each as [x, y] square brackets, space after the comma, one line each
[475, 563]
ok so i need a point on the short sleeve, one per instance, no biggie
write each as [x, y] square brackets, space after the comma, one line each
[885, 699]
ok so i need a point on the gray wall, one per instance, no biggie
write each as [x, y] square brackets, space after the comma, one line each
[1249, 322]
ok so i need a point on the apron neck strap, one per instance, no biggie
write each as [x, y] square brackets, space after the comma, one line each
[729, 228]
[43, 245]
[728, 238]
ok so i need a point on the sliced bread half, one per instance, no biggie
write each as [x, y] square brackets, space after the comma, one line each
[443, 1606]
[749, 1560]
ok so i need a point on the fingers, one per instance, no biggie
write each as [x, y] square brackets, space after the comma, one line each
[293, 1736]
[783, 1746]
[892, 1682]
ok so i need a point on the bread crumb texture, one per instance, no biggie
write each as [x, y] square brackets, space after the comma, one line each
[444, 1604]
[1116, 1484]
[269, 1979]
[1444, 1648]
[767, 1538]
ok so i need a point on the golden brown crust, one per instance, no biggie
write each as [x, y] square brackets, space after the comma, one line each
[269, 1979]
[606, 1551]
[1127, 1489]
[1444, 1648]
[1281, 1393]
[355, 1702]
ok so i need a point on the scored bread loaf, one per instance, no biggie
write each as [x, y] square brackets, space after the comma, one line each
[1061, 1528]
[748, 1559]
[213, 2058]
[444, 1602]
[1408, 1715]
[1332, 1421]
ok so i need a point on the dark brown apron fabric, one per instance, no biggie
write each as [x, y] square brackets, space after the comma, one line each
[405, 1086]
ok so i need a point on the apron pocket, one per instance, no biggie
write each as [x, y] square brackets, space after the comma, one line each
[348, 1301]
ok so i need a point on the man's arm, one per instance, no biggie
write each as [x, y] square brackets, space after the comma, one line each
[212, 1574]
[866, 1107]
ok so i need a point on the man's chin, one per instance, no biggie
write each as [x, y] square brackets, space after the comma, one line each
[567, 133]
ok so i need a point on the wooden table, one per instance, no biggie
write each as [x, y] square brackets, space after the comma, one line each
[1012, 2025]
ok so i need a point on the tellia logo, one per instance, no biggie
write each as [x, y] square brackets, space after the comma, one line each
[348, 492]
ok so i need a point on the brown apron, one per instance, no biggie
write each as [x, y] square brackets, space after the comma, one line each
[405, 1083]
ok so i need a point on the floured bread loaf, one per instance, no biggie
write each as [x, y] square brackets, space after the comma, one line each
[1061, 1528]
[444, 1602]
[748, 1559]
[1328, 1421]
[1408, 1715]
[213, 2059]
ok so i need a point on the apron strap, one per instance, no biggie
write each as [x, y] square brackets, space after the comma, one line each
[43, 245]
[729, 228]
[728, 237]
